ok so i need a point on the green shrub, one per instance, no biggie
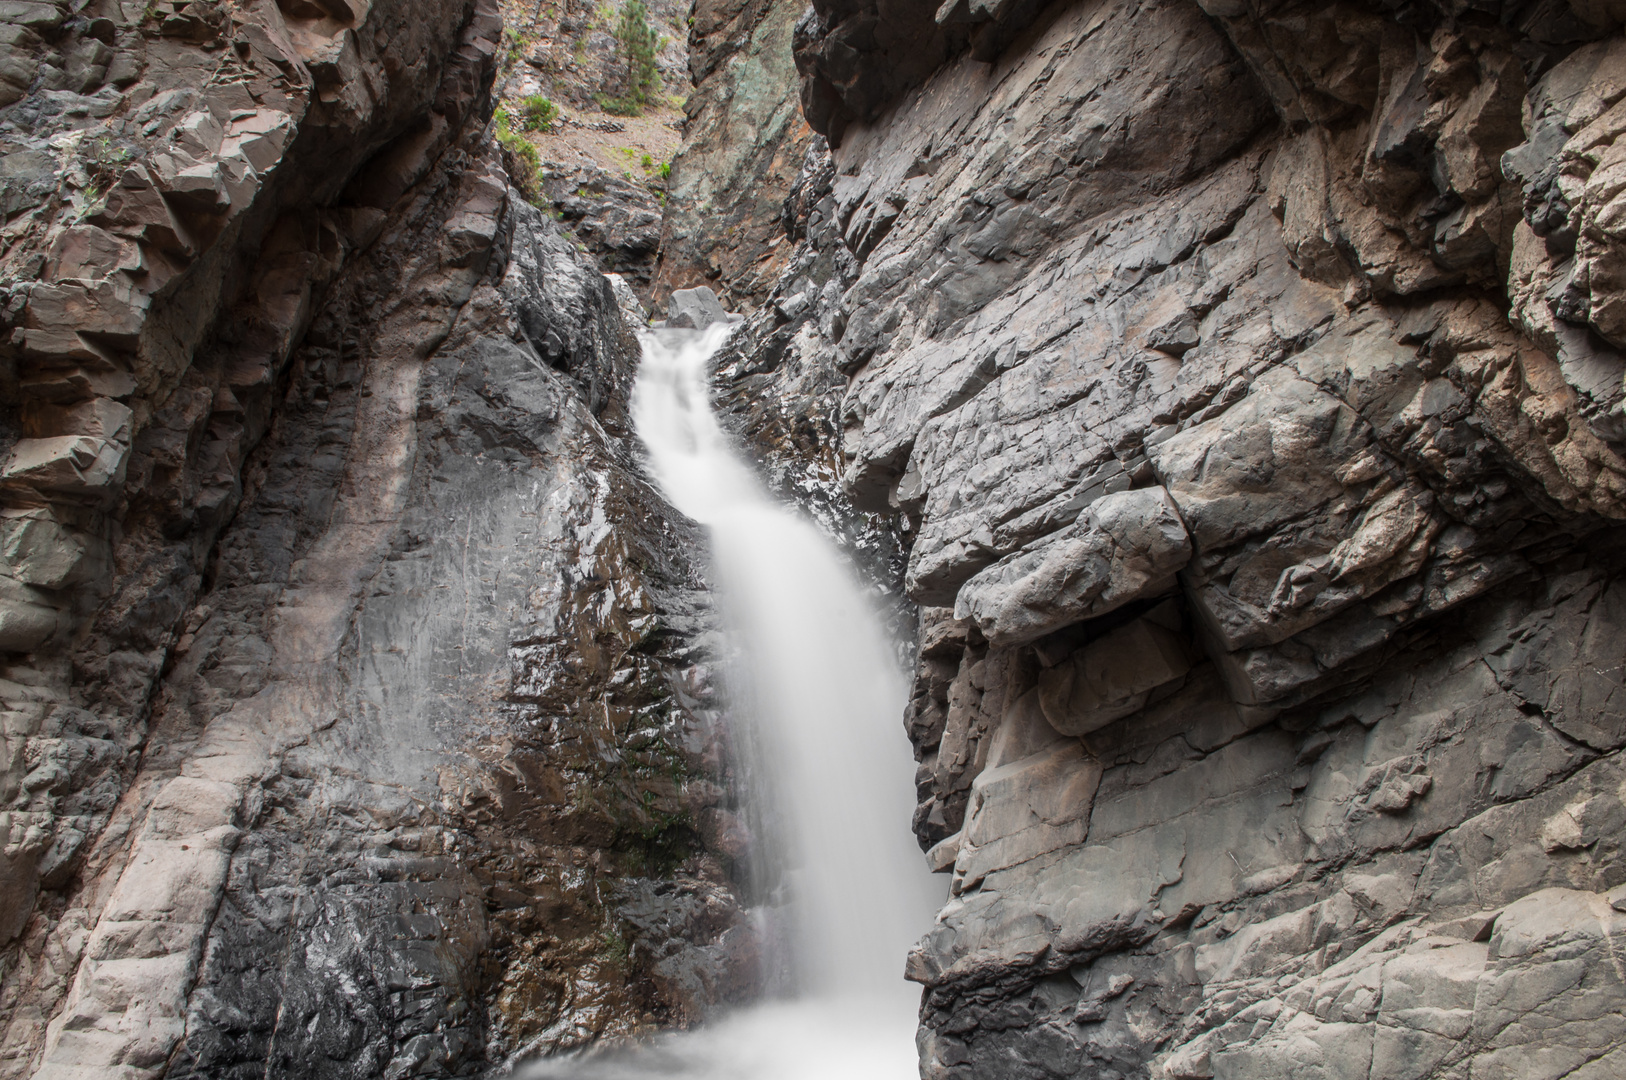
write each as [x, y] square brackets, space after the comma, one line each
[103, 161]
[615, 951]
[539, 113]
[523, 159]
[513, 48]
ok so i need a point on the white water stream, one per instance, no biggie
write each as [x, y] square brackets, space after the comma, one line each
[819, 683]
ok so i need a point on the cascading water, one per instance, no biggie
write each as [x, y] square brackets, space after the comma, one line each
[819, 681]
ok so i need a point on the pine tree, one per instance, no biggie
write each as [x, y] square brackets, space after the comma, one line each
[638, 43]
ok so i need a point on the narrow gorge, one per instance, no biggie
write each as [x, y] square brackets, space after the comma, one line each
[1220, 404]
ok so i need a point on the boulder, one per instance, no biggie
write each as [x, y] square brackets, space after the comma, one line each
[70, 464]
[694, 309]
[37, 550]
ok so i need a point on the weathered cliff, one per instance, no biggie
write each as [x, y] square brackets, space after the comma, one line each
[1245, 378]
[358, 714]
[743, 146]
[1243, 381]
[601, 174]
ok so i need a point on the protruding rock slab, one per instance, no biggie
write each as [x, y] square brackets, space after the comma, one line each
[1114, 675]
[128, 1001]
[26, 617]
[1026, 809]
[1123, 547]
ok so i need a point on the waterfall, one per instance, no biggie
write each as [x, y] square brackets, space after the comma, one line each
[819, 685]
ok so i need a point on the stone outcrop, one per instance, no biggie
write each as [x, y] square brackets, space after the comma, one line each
[359, 718]
[618, 220]
[1244, 382]
[1123, 546]
[744, 144]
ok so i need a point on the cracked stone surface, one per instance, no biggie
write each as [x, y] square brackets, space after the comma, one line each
[360, 714]
[1243, 385]
[1235, 391]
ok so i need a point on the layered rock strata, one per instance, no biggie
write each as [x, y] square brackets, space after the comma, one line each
[1245, 382]
[358, 710]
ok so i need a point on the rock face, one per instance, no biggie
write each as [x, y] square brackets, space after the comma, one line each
[358, 719]
[616, 219]
[744, 144]
[694, 309]
[601, 174]
[568, 47]
[1245, 382]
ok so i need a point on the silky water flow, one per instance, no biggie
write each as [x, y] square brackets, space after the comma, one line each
[818, 682]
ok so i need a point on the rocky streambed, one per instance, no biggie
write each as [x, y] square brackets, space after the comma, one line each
[1233, 390]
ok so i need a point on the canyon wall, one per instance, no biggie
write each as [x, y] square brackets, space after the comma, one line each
[744, 143]
[1244, 381]
[1236, 387]
[358, 707]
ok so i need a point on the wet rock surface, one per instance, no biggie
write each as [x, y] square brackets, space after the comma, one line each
[1236, 390]
[359, 707]
[1240, 380]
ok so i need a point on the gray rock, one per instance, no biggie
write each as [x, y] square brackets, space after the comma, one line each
[723, 217]
[39, 551]
[27, 616]
[1123, 547]
[618, 219]
[694, 309]
[1025, 809]
[632, 309]
[1114, 676]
